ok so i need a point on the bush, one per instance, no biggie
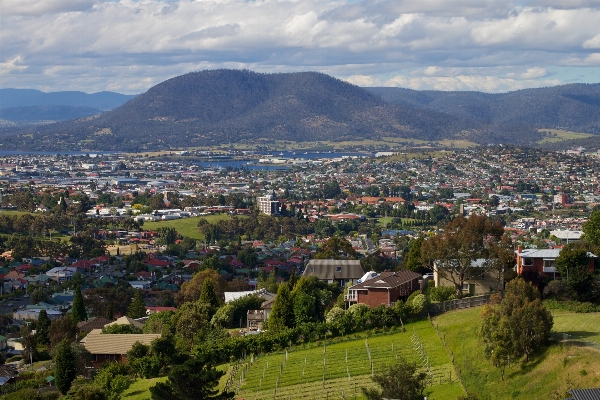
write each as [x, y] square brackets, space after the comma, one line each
[89, 392]
[442, 293]
[419, 304]
[572, 306]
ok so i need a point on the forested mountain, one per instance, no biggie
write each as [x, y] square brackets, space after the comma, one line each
[223, 106]
[29, 97]
[37, 114]
[573, 107]
[226, 106]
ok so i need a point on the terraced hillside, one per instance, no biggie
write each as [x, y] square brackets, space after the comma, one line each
[339, 370]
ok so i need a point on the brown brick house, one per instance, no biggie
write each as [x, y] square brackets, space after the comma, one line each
[386, 288]
[542, 261]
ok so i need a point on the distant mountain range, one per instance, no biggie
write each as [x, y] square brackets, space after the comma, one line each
[28, 106]
[227, 106]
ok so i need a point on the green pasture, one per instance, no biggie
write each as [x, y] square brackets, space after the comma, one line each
[558, 135]
[546, 376]
[186, 226]
[339, 370]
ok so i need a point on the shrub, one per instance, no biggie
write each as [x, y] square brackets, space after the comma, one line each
[419, 304]
[442, 293]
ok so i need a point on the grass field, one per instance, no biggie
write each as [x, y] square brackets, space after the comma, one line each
[547, 374]
[140, 389]
[584, 327]
[301, 375]
[560, 135]
[186, 226]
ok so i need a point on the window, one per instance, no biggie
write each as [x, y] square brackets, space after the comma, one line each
[528, 262]
[312, 270]
[338, 269]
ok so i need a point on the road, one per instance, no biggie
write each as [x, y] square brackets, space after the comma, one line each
[6, 309]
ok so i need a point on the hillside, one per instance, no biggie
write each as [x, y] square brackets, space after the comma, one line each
[225, 106]
[29, 97]
[45, 114]
[565, 364]
[574, 107]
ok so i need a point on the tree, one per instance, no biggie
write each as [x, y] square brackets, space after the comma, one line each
[65, 370]
[336, 248]
[413, 259]
[137, 308]
[573, 265]
[517, 327]
[29, 342]
[194, 379]
[190, 291]
[60, 329]
[208, 295]
[591, 228]
[78, 312]
[282, 315]
[166, 235]
[464, 241]
[401, 381]
[42, 328]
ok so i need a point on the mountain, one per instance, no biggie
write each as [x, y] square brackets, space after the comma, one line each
[225, 106]
[221, 106]
[228, 106]
[574, 107]
[45, 114]
[29, 97]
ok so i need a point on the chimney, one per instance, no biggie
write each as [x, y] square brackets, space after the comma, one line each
[520, 249]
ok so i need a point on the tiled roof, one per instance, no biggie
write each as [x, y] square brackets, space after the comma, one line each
[98, 343]
[126, 321]
[388, 280]
[328, 269]
[96, 323]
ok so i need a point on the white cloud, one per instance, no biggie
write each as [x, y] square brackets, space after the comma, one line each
[12, 65]
[452, 43]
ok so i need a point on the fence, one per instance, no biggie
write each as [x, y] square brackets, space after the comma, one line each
[438, 308]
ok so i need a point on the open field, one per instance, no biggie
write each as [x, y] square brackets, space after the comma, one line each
[546, 375]
[584, 327]
[560, 135]
[302, 375]
[186, 226]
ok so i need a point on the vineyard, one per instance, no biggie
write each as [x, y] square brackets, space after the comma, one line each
[337, 370]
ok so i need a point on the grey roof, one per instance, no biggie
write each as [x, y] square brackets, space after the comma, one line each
[334, 269]
[585, 394]
[545, 253]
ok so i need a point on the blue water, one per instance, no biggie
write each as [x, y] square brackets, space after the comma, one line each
[394, 232]
[53, 153]
[253, 165]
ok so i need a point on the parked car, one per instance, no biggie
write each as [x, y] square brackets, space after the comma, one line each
[26, 296]
[10, 304]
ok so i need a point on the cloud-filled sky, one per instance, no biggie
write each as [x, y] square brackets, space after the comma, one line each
[128, 46]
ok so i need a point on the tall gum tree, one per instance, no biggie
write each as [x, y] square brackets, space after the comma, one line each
[463, 241]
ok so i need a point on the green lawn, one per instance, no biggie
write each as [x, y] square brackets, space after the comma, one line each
[186, 226]
[300, 376]
[546, 375]
[585, 327]
[140, 389]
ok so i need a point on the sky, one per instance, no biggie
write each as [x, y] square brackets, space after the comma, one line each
[128, 46]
